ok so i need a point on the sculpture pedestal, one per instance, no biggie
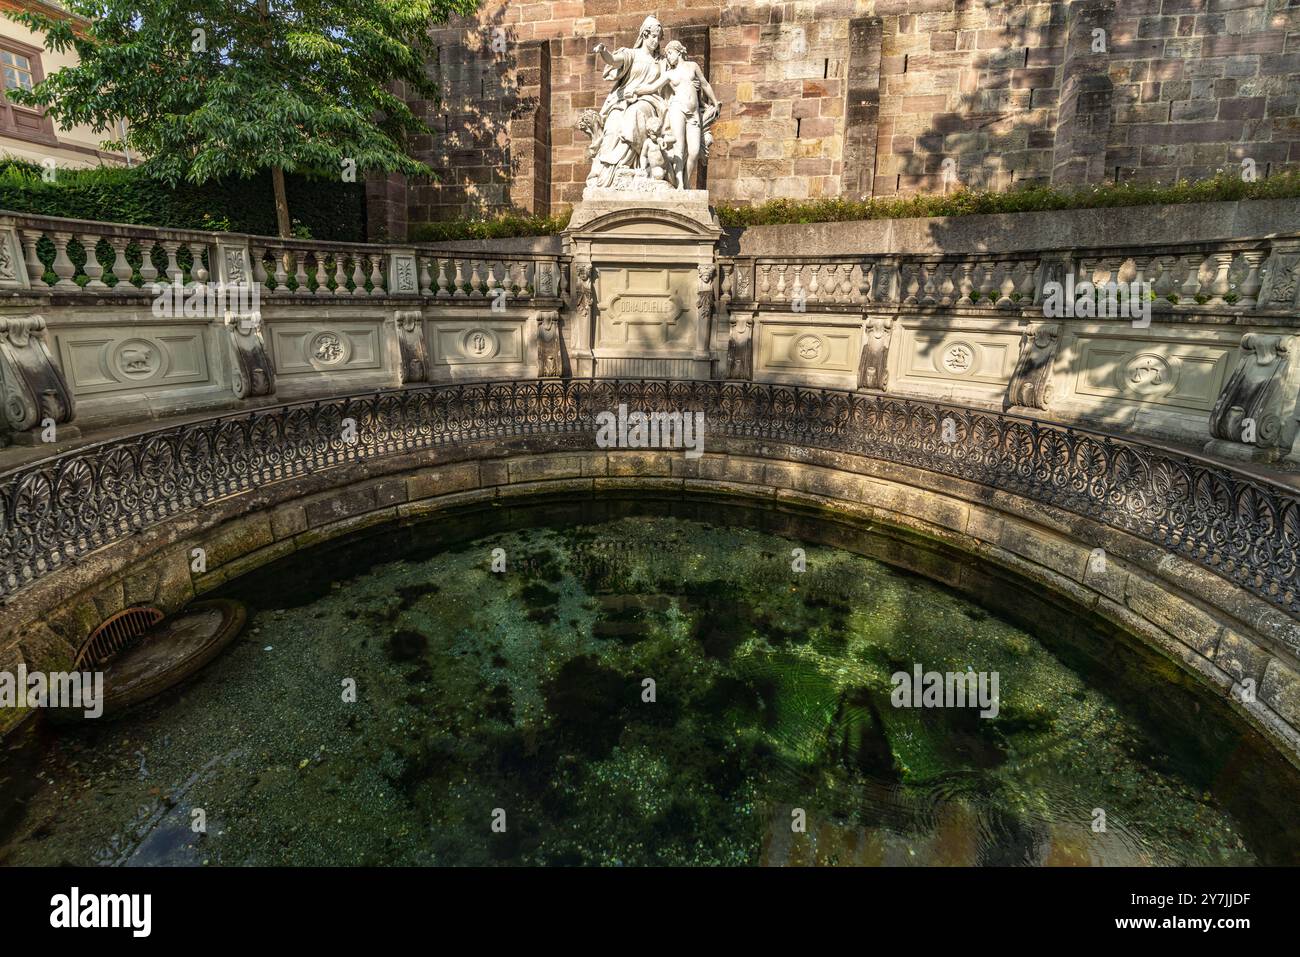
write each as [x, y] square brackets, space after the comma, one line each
[598, 200]
[643, 282]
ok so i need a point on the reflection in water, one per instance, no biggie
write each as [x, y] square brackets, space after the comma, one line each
[526, 692]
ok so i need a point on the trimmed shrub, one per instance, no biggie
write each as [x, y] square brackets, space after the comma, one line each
[963, 202]
[504, 227]
[320, 209]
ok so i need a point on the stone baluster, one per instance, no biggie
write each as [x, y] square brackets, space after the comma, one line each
[358, 275]
[1221, 263]
[148, 271]
[340, 274]
[765, 287]
[377, 276]
[1162, 280]
[1007, 286]
[425, 278]
[300, 273]
[491, 279]
[1250, 285]
[780, 282]
[121, 268]
[458, 290]
[199, 271]
[964, 285]
[864, 281]
[814, 285]
[174, 272]
[281, 270]
[443, 291]
[913, 285]
[1025, 288]
[63, 267]
[985, 285]
[35, 268]
[259, 265]
[1192, 281]
[928, 295]
[94, 271]
[945, 284]
[320, 273]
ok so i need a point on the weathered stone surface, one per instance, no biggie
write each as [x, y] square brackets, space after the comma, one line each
[452, 478]
[288, 521]
[1280, 690]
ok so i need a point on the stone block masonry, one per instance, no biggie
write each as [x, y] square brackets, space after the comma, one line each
[863, 98]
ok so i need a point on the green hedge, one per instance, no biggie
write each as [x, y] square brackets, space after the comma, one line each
[963, 202]
[1023, 200]
[320, 209]
[503, 227]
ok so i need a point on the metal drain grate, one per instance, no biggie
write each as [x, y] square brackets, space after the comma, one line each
[115, 634]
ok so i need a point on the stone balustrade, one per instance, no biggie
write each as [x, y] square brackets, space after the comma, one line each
[1194, 277]
[1209, 360]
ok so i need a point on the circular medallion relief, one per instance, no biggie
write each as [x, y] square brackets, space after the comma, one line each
[810, 348]
[958, 358]
[480, 344]
[137, 359]
[1148, 373]
[327, 348]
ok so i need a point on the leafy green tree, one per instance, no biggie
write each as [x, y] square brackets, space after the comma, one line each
[211, 88]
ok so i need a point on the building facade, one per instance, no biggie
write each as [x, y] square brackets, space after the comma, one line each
[864, 98]
[27, 133]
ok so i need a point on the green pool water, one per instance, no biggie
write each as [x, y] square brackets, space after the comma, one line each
[519, 699]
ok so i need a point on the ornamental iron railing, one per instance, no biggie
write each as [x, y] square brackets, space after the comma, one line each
[57, 510]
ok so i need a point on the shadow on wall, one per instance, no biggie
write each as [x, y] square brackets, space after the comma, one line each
[486, 125]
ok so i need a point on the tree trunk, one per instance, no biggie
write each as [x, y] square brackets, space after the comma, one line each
[281, 203]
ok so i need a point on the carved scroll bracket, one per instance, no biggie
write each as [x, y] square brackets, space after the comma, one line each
[253, 374]
[1031, 382]
[1257, 404]
[873, 366]
[550, 345]
[740, 346]
[412, 347]
[33, 391]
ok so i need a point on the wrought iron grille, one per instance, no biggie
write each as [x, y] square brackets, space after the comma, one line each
[1246, 529]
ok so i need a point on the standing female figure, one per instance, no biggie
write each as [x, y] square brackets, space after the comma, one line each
[632, 107]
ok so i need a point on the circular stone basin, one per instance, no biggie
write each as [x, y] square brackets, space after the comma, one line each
[168, 653]
[397, 701]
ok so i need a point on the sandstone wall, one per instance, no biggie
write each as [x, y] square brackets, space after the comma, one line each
[861, 98]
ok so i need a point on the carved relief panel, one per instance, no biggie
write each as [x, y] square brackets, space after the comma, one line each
[646, 309]
[97, 360]
[825, 349]
[1179, 374]
[478, 342]
[970, 356]
[300, 348]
